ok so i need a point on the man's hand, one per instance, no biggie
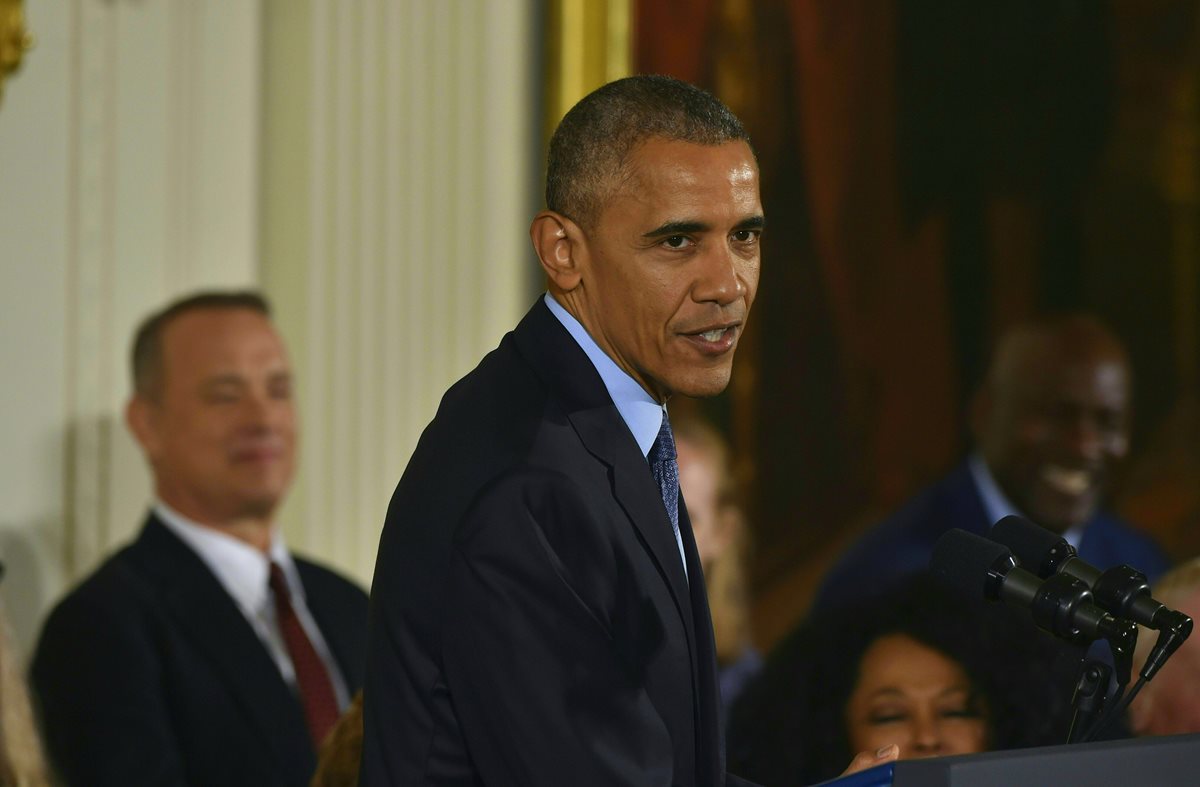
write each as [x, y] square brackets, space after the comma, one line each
[866, 759]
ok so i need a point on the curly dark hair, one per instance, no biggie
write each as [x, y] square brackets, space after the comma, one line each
[789, 726]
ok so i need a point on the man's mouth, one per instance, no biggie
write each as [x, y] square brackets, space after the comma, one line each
[715, 340]
[1067, 481]
[257, 453]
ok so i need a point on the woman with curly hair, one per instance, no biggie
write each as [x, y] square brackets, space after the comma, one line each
[930, 673]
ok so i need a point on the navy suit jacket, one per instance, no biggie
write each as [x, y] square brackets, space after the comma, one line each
[903, 544]
[531, 623]
[149, 674]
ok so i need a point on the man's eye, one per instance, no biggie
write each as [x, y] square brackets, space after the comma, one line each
[280, 390]
[677, 242]
[745, 236]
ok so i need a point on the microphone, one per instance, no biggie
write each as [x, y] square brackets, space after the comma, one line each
[1123, 590]
[1061, 604]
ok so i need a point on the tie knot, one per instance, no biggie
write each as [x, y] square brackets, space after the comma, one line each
[278, 582]
[663, 449]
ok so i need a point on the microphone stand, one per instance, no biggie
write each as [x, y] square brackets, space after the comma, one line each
[1091, 689]
[1088, 700]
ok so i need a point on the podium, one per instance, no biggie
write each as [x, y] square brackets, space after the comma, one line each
[1172, 761]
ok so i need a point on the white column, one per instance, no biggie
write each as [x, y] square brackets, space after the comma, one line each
[398, 186]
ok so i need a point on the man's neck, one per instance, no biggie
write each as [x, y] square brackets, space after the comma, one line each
[255, 531]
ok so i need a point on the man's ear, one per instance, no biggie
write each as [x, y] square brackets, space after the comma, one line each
[560, 247]
[140, 418]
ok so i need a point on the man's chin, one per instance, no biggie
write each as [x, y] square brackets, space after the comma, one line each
[1060, 519]
[705, 385]
[260, 504]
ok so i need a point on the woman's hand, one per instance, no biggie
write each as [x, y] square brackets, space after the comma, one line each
[866, 759]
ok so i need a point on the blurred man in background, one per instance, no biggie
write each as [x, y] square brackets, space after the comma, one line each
[1050, 420]
[1170, 703]
[204, 652]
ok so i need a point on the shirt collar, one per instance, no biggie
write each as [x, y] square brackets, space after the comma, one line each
[996, 504]
[638, 409]
[240, 568]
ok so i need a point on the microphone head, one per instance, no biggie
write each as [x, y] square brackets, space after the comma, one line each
[969, 563]
[1036, 548]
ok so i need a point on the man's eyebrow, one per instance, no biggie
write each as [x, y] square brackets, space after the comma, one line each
[221, 379]
[677, 228]
[688, 227]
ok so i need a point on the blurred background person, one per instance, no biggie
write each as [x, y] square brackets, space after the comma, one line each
[1170, 703]
[340, 757]
[921, 670]
[204, 652]
[708, 484]
[21, 760]
[1049, 423]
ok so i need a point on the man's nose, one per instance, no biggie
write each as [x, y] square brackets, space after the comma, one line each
[720, 281]
[261, 410]
[1086, 439]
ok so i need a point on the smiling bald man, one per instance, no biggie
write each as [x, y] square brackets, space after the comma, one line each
[1049, 423]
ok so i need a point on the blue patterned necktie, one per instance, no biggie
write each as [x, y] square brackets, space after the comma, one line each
[665, 470]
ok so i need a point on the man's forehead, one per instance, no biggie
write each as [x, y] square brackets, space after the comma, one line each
[660, 157]
[213, 327]
[695, 184]
[209, 339]
[1081, 379]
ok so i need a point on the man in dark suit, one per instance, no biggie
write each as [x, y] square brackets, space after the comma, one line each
[203, 653]
[1049, 422]
[538, 614]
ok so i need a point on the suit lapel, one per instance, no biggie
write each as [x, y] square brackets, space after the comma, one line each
[710, 741]
[222, 635]
[565, 368]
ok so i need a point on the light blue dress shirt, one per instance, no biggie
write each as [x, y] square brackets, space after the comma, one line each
[638, 409]
[997, 505]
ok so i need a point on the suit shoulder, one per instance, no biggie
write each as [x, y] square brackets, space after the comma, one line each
[319, 576]
[1109, 540]
[115, 586]
[902, 543]
[113, 609]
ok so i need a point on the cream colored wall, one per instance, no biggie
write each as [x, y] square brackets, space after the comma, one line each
[398, 173]
[128, 173]
[366, 161]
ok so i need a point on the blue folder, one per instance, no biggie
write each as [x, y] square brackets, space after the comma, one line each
[879, 776]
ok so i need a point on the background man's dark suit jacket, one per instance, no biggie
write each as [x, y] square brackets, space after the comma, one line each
[149, 674]
[903, 544]
[530, 619]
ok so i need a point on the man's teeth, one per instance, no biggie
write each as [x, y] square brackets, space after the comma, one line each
[713, 335]
[1070, 482]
